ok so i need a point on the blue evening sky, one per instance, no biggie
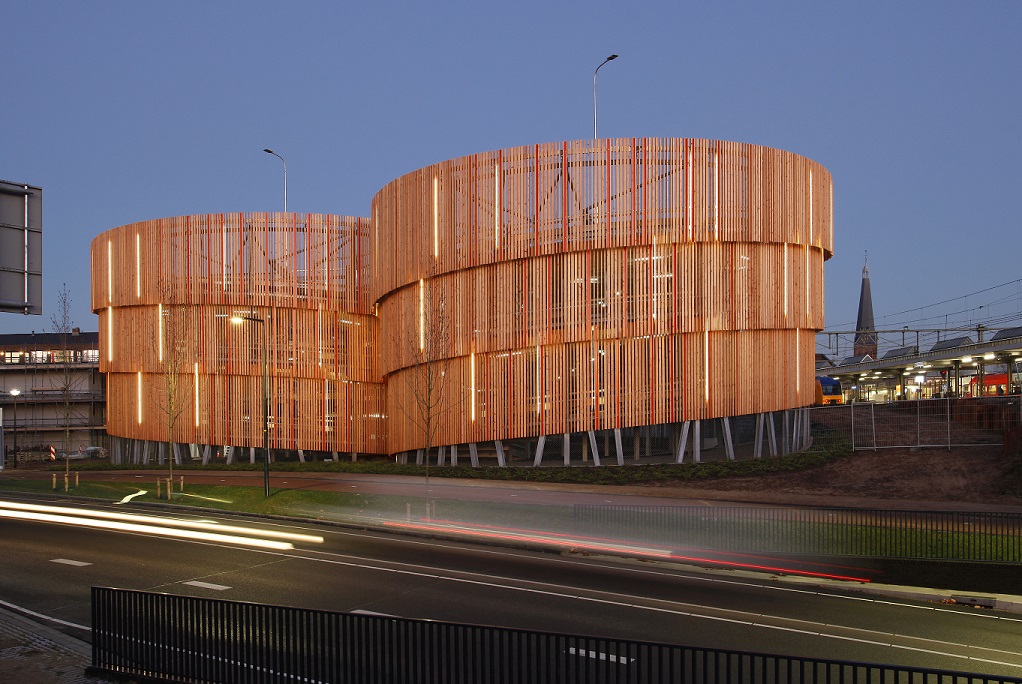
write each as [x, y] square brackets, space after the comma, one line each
[124, 111]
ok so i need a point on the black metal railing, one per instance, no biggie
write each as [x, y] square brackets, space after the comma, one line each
[935, 535]
[180, 638]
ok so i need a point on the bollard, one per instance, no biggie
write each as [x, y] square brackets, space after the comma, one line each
[408, 512]
[181, 484]
[54, 481]
[158, 495]
[76, 479]
[65, 484]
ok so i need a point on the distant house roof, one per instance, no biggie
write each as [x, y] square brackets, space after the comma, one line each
[1007, 334]
[952, 343]
[902, 351]
[852, 360]
[49, 340]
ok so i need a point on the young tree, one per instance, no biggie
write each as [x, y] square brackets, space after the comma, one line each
[428, 342]
[67, 381]
[172, 338]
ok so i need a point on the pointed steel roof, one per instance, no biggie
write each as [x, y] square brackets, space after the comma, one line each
[864, 321]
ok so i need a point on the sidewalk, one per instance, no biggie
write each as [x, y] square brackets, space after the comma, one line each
[33, 653]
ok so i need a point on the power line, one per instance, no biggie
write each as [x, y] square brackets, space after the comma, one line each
[999, 317]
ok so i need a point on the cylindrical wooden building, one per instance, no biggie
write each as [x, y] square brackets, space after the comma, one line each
[575, 287]
[195, 311]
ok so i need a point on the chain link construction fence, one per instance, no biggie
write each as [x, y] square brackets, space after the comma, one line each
[947, 423]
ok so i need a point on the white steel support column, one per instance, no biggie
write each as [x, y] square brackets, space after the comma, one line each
[697, 442]
[592, 446]
[418, 457]
[251, 454]
[539, 450]
[441, 456]
[473, 454]
[454, 454]
[679, 454]
[620, 449]
[500, 452]
[729, 446]
[772, 433]
[786, 433]
[567, 448]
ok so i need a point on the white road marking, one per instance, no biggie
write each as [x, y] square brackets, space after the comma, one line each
[129, 497]
[370, 612]
[65, 561]
[597, 655]
[684, 609]
[207, 585]
[26, 611]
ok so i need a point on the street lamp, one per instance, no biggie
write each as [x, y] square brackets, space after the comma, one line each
[609, 59]
[238, 320]
[14, 431]
[269, 151]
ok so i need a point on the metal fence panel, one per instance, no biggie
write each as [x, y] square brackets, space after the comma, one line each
[934, 535]
[180, 638]
[942, 422]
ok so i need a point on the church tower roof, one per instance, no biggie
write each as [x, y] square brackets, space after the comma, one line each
[865, 335]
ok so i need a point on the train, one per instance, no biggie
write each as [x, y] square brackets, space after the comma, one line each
[994, 384]
[828, 391]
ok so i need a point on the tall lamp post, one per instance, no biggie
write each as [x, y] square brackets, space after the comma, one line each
[14, 431]
[269, 151]
[609, 59]
[238, 320]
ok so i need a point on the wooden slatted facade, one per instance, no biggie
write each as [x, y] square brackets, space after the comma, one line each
[537, 290]
[602, 284]
[166, 290]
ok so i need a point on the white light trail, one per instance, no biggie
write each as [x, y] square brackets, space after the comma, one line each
[91, 515]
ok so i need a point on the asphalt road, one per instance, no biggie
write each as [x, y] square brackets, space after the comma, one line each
[49, 569]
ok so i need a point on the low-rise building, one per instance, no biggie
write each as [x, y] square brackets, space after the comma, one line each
[52, 394]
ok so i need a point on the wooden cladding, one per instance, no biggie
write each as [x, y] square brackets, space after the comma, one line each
[598, 284]
[530, 291]
[604, 384]
[280, 260]
[609, 294]
[582, 195]
[166, 292]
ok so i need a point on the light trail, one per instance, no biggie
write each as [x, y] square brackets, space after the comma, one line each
[146, 529]
[216, 528]
[581, 544]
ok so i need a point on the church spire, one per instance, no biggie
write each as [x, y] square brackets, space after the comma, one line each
[865, 329]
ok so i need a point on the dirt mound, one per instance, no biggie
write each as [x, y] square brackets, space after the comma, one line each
[898, 478]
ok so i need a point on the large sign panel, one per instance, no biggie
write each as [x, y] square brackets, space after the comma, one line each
[21, 248]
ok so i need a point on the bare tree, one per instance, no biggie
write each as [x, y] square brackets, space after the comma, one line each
[428, 343]
[63, 326]
[172, 340]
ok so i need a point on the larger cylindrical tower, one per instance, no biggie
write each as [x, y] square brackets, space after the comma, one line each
[590, 285]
